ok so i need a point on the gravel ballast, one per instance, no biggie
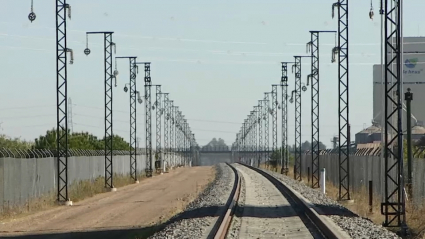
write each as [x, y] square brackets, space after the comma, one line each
[354, 225]
[200, 215]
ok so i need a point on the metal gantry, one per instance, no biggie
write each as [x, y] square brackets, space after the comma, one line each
[109, 46]
[61, 99]
[313, 47]
[133, 97]
[393, 206]
[284, 86]
[297, 91]
[343, 104]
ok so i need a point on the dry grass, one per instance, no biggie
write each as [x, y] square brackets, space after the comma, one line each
[77, 192]
[414, 214]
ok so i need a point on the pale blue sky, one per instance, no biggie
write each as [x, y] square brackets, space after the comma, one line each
[215, 58]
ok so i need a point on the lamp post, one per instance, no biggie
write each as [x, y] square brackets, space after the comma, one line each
[108, 45]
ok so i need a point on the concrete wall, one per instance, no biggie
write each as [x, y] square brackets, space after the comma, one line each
[25, 178]
[365, 168]
[212, 158]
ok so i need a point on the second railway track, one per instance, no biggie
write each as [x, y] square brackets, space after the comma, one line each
[269, 210]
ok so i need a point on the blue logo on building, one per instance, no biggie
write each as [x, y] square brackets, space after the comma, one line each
[411, 63]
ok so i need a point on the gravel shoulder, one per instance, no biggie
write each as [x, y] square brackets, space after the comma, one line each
[200, 215]
[354, 225]
[129, 211]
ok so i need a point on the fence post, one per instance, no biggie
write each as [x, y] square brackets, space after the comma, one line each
[370, 196]
[323, 180]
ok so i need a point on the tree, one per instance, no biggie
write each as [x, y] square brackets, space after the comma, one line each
[214, 143]
[79, 140]
[16, 143]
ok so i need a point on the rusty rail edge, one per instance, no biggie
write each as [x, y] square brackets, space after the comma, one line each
[315, 218]
[219, 231]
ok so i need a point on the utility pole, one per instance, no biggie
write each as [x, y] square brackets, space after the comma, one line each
[275, 105]
[133, 93]
[393, 206]
[244, 140]
[313, 46]
[260, 131]
[297, 91]
[108, 44]
[408, 96]
[167, 119]
[255, 121]
[148, 115]
[157, 105]
[61, 98]
[343, 100]
[266, 127]
[172, 133]
[70, 124]
[284, 85]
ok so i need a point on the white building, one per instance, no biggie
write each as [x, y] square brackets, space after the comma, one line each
[413, 78]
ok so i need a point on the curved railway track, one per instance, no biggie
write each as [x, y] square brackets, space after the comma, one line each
[271, 210]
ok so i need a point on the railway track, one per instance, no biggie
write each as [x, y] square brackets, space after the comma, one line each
[270, 210]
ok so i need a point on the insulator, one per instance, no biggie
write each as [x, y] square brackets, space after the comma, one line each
[69, 10]
[115, 47]
[71, 52]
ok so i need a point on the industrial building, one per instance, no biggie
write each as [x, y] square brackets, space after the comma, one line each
[413, 78]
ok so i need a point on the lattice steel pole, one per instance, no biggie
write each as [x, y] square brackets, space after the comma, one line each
[61, 100]
[393, 207]
[284, 85]
[297, 91]
[275, 105]
[343, 104]
[166, 130]
[266, 127]
[255, 121]
[157, 106]
[109, 75]
[134, 95]
[172, 133]
[313, 46]
[244, 142]
[148, 119]
[260, 131]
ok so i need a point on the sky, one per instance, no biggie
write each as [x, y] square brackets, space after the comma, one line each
[215, 59]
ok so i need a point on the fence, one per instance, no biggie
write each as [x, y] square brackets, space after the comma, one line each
[366, 168]
[23, 178]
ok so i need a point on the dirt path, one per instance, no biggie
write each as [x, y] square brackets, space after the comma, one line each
[130, 211]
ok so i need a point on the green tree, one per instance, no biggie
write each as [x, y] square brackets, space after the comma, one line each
[79, 140]
[16, 143]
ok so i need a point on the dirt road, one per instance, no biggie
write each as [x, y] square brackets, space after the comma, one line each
[131, 211]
